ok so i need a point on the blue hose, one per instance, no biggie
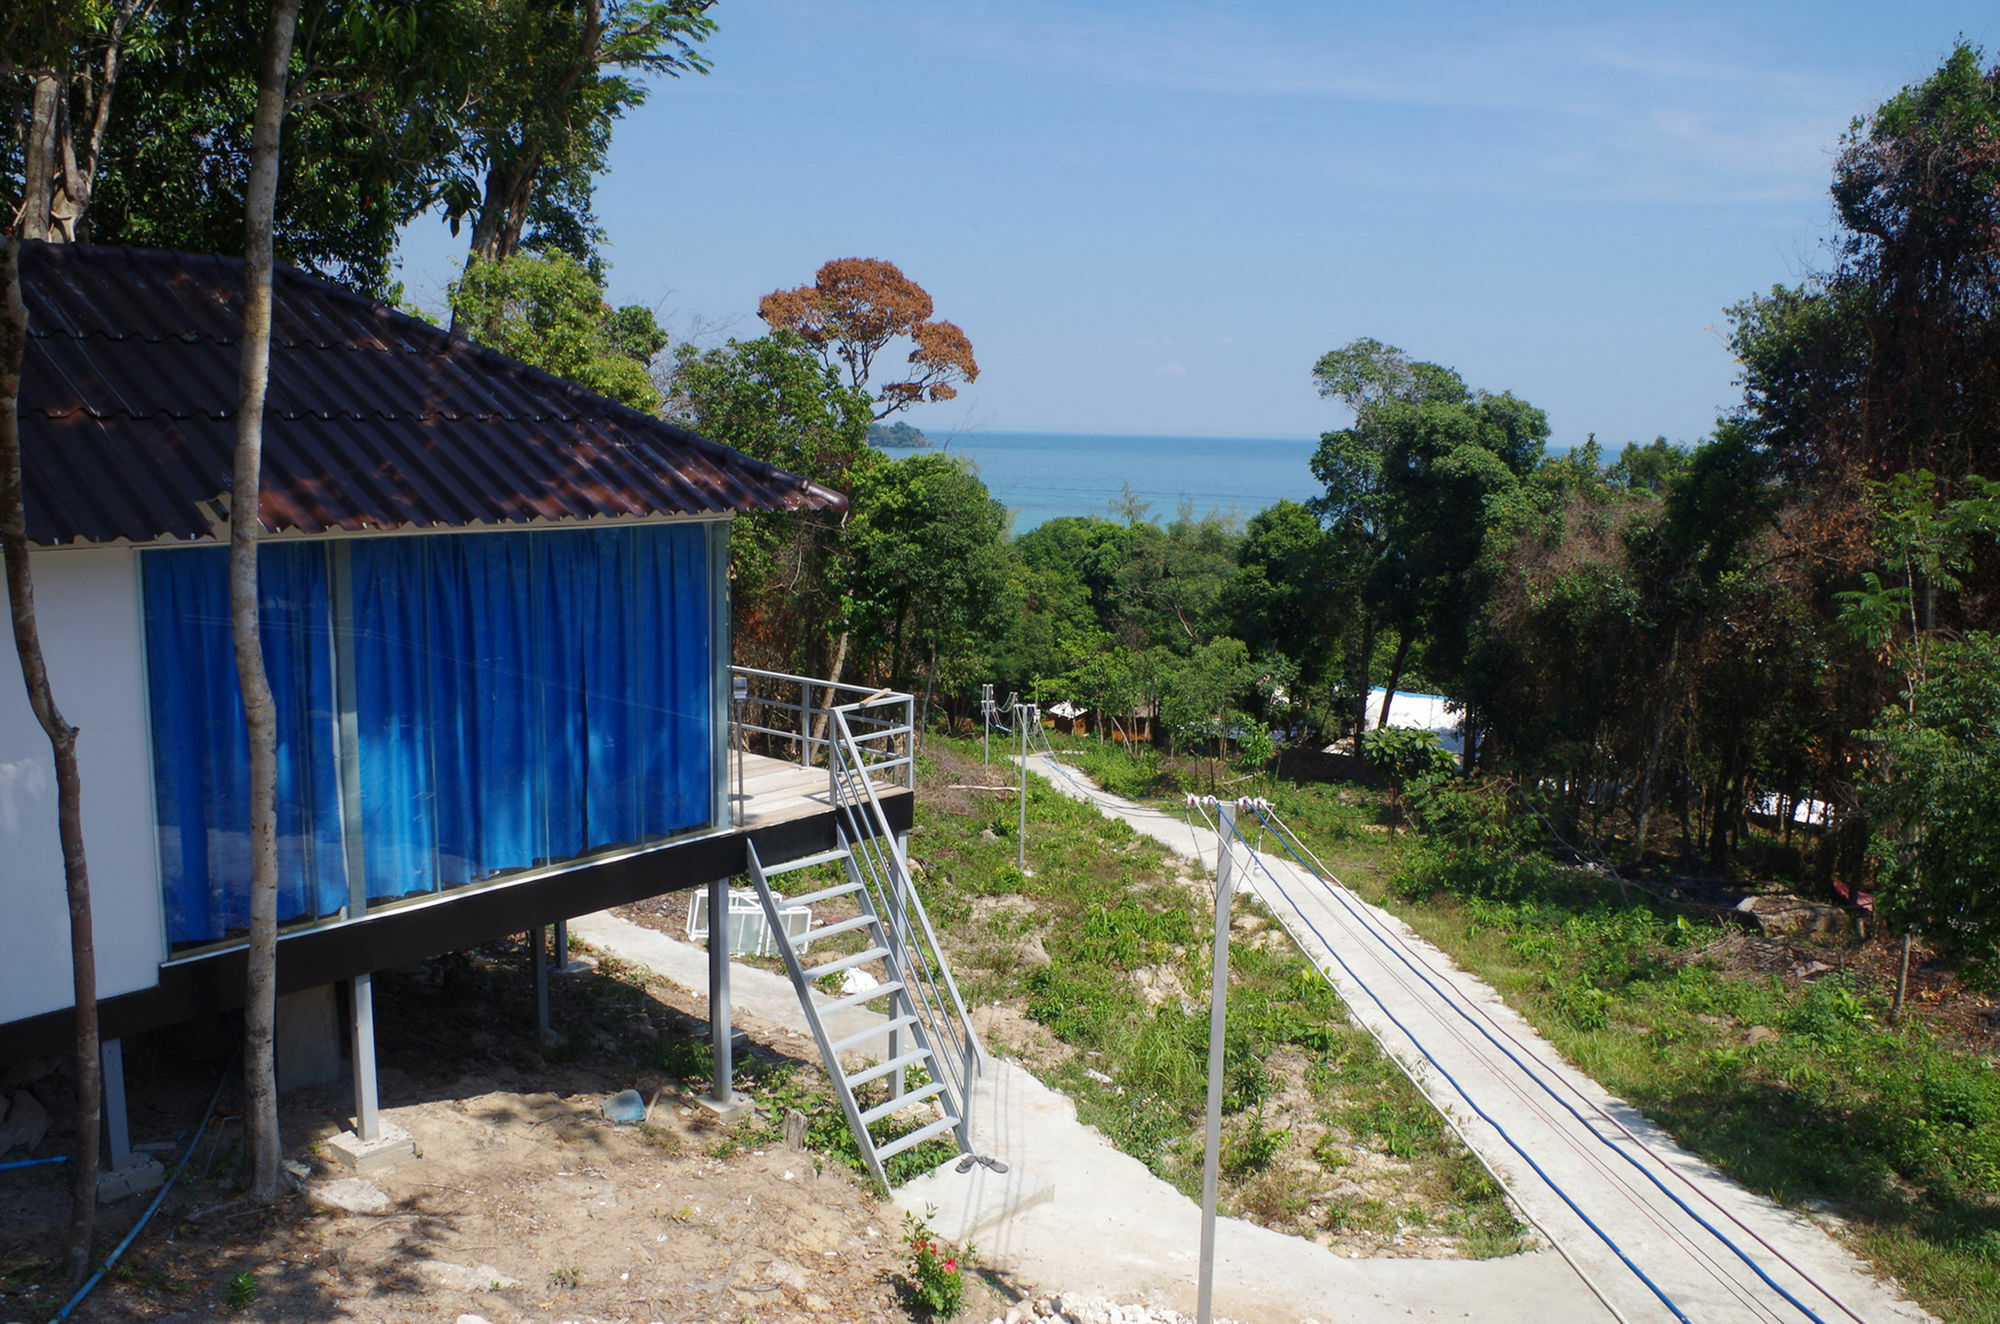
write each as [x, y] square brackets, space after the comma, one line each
[32, 1162]
[151, 1209]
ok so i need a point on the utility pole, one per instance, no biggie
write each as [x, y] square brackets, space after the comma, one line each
[1225, 886]
[986, 723]
[1021, 836]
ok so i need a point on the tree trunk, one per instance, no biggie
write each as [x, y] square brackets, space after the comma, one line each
[260, 1004]
[832, 694]
[62, 745]
[1395, 675]
[40, 153]
[1361, 678]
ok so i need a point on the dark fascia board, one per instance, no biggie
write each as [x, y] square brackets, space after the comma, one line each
[308, 959]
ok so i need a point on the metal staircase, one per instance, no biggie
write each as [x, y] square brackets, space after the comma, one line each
[925, 1023]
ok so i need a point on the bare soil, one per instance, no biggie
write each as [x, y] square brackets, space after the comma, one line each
[525, 1202]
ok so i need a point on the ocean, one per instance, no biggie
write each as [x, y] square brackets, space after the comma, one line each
[1042, 475]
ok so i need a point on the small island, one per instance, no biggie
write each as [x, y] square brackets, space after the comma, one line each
[897, 436]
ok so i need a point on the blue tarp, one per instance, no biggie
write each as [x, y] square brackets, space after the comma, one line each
[520, 699]
[201, 772]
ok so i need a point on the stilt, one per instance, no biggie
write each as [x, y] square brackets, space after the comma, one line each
[722, 1098]
[538, 962]
[117, 1130]
[720, 1031]
[361, 1027]
[373, 1143]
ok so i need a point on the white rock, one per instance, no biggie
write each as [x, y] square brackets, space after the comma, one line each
[475, 1278]
[352, 1195]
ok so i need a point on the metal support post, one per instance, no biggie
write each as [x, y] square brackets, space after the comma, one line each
[117, 1130]
[361, 1029]
[739, 690]
[1225, 883]
[1021, 836]
[538, 962]
[719, 1030]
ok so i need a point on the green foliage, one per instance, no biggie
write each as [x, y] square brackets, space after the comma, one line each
[241, 1292]
[935, 1283]
[1939, 802]
[924, 587]
[548, 310]
[772, 399]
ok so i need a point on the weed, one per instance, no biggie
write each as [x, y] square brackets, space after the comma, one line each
[241, 1291]
[568, 1278]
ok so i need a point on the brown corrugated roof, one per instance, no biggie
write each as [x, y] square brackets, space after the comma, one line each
[374, 419]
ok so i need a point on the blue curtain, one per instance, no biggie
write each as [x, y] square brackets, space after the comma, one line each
[201, 775]
[526, 698]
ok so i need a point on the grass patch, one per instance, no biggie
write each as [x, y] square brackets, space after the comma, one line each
[1104, 943]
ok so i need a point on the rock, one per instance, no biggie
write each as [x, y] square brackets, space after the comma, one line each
[1032, 953]
[349, 1195]
[1762, 1034]
[28, 1072]
[27, 1122]
[463, 1278]
[857, 981]
[795, 1129]
[471, 1319]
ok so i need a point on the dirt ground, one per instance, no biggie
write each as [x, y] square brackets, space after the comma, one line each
[525, 1203]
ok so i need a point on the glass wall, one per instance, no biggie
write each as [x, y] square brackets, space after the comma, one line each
[453, 708]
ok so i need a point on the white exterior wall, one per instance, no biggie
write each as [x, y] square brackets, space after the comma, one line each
[87, 602]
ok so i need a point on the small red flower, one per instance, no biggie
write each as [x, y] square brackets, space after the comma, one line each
[951, 1266]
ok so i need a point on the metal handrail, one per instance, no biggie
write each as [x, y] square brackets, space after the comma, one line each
[868, 841]
[883, 715]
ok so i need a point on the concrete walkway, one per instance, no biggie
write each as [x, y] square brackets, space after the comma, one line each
[1111, 1228]
[1386, 975]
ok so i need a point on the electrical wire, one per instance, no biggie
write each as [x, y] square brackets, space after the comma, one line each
[1288, 837]
[1396, 945]
[1473, 1103]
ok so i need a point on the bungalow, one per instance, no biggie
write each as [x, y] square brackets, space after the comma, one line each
[495, 615]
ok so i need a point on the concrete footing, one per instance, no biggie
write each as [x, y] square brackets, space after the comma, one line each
[967, 1203]
[729, 1113]
[138, 1174]
[391, 1147]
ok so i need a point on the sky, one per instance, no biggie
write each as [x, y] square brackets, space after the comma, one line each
[1152, 218]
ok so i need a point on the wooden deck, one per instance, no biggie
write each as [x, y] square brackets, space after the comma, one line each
[776, 791]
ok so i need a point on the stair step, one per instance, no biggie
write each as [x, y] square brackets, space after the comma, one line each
[900, 1102]
[916, 1059]
[805, 862]
[856, 999]
[829, 930]
[915, 1138]
[874, 1032]
[846, 963]
[824, 894]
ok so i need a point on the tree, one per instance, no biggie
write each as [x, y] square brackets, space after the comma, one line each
[260, 1005]
[548, 309]
[929, 565]
[1415, 485]
[773, 399]
[1938, 845]
[73, 57]
[552, 80]
[853, 309]
[62, 746]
